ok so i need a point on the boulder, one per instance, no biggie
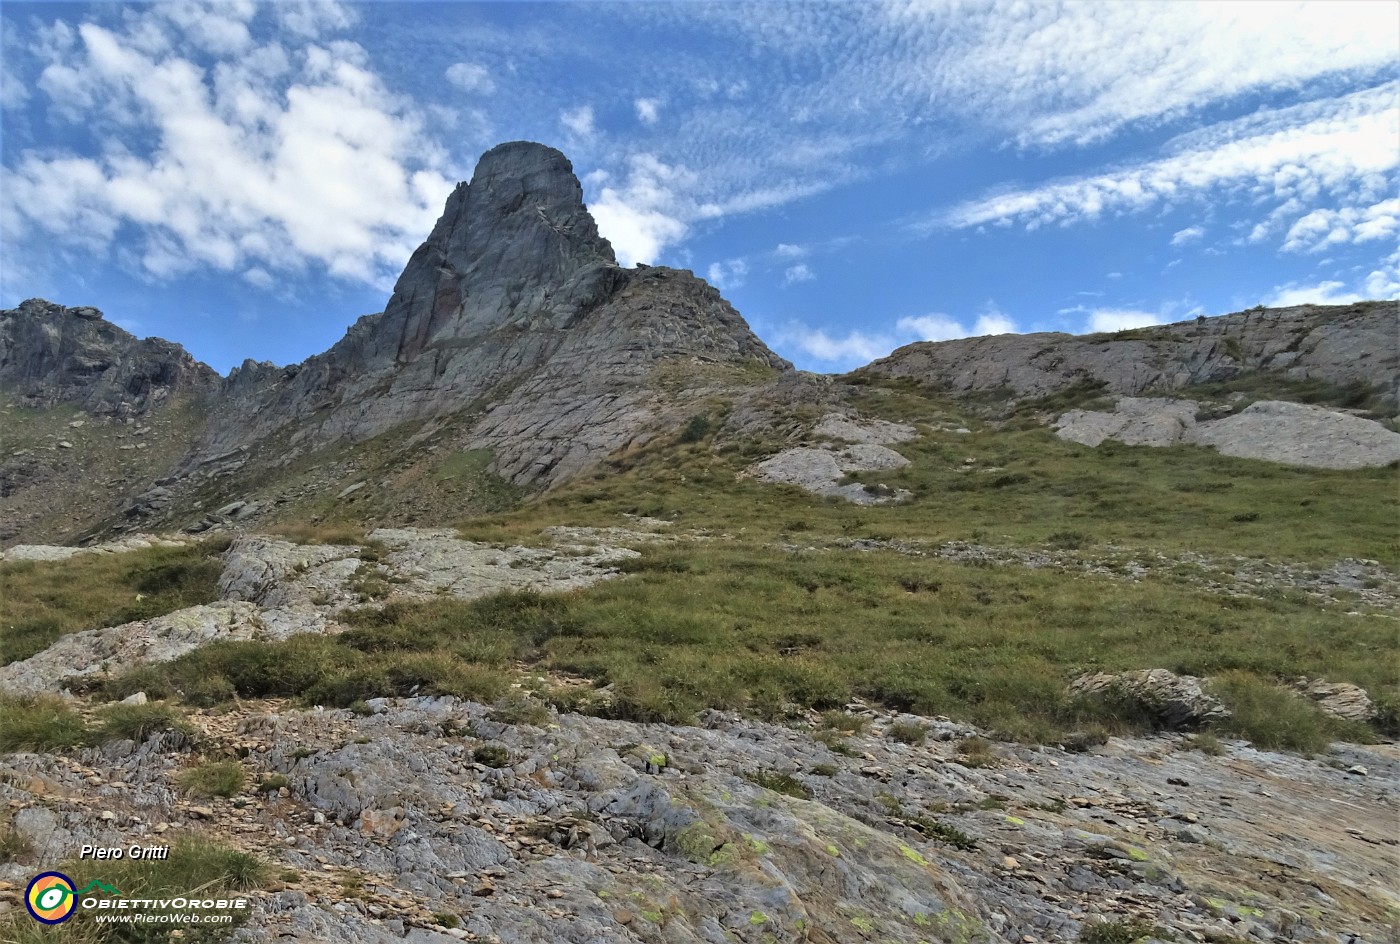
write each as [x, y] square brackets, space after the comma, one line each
[1339, 699]
[1176, 702]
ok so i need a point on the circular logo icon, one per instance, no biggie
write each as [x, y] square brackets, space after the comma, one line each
[50, 898]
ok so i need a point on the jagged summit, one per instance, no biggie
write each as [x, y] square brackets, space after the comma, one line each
[511, 332]
[515, 241]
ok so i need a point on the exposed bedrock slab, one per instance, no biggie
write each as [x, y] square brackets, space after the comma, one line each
[1271, 430]
[821, 470]
[1300, 434]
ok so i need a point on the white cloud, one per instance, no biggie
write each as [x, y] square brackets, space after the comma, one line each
[931, 327]
[311, 19]
[470, 77]
[1323, 227]
[801, 272]
[14, 94]
[728, 274]
[1323, 293]
[1384, 282]
[1188, 235]
[579, 120]
[940, 327]
[852, 350]
[1345, 147]
[1075, 73]
[219, 27]
[789, 251]
[857, 347]
[271, 159]
[993, 322]
[642, 216]
[648, 110]
[1120, 319]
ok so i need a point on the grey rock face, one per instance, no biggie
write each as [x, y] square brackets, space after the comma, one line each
[1136, 421]
[51, 355]
[820, 470]
[1299, 434]
[1341, 699]
[1337, 344]
[162, 639]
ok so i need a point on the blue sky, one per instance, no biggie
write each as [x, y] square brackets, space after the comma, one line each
[248, 179]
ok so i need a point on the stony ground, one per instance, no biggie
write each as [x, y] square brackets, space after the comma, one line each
[589, 830]
[434, 819]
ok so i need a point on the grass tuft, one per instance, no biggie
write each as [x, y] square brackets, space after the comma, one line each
[139, 722]
[223, 778]
[39, 723]
[785, 784]
[1273, 718]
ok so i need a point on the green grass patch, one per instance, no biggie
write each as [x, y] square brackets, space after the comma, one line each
[43, 600]
[221, 778]
[995, 646]
[785, 784]
[1036, 490]
[139, 722]
[39, 723]
[1273, 718]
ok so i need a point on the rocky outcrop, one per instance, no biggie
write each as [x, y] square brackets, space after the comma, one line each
[514, 312]
[1339, 699]
[1271, 430]
[1333, 344]
[822, 469]
[52, 552]
[52, 355]
[272, 589]
[95, 651]
[430, 814]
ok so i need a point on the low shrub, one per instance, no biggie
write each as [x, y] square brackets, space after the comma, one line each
[907, 732]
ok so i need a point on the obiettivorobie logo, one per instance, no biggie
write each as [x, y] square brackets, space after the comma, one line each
[51, 897]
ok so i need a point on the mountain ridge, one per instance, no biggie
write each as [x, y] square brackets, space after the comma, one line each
[513, 334]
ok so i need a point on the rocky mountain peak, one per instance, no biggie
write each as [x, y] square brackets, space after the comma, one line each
[515, 242]
[514, 302]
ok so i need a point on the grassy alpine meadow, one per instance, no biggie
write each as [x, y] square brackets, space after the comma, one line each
[759, 599]
[42, 600]
[1011, 483]
[759, 629]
